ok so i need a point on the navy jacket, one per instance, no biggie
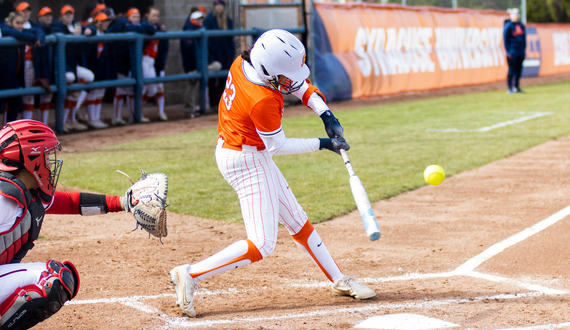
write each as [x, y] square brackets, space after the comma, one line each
[6, 7]
[12, 58]
[101, 64]
[221, 49]
[160, 61]
[514, 36]
[43, 57]
[121, 49]
[74, 53]
[188, 48]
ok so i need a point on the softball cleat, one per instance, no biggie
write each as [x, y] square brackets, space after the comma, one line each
[346, 286]
[185, 287]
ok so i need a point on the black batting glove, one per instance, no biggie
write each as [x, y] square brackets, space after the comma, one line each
[332, 126]
[334, 144]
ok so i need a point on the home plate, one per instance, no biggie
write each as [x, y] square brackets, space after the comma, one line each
[404, 321]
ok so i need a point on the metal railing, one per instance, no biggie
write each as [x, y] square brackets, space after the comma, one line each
[136, 40]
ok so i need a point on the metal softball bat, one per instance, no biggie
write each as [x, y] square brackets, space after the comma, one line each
[362, 201]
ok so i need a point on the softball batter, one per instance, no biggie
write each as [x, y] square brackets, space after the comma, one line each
[250, 133]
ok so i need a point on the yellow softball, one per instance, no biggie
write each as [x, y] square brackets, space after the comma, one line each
[434, 174]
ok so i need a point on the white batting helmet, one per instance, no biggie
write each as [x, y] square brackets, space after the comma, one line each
[278, 52]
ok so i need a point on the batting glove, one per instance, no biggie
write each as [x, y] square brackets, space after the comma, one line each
[332, 126]
[334, 144]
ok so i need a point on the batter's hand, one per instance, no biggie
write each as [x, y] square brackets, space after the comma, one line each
[332, 126]
[334, 144]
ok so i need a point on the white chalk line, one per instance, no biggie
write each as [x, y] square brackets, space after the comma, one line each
[488, 128]
[427, 304]
[466, 269]
[474, 262]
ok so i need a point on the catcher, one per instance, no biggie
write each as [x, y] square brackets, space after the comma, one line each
[29, 171]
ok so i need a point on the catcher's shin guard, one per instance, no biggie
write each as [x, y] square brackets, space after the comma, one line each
[34, 303]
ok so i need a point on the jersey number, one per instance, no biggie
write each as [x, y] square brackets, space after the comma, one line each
[230, 92]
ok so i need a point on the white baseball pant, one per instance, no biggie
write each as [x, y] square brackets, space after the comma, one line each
[266, 200]
[29, 77]
[14, 276]
[149, 72]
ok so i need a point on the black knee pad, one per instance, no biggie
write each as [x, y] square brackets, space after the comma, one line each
[31, 313]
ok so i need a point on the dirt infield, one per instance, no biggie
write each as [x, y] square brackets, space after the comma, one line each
[438, 255]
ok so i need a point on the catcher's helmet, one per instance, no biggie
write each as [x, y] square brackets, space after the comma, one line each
[31, 145]
[278, 52]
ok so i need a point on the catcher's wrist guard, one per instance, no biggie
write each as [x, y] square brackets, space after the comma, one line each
[146, 200]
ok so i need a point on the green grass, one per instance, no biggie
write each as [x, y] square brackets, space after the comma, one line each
[391, 146]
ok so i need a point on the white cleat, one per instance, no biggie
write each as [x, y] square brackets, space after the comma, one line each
[97, 124]
[185, 287]
[162, 116]
[349, 287]
[118, 121]
[76, 126]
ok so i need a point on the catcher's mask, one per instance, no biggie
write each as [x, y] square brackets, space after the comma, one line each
[32, 145]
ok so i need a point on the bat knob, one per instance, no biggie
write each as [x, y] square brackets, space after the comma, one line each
[374, 236]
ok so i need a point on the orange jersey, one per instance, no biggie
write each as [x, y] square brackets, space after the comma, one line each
[246, 106]
[100, 47]
[151, 48]
[29, 54]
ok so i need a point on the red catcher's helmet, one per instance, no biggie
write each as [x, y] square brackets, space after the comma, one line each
[31, 145]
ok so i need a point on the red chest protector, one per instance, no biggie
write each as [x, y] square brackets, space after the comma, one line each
[15, 243]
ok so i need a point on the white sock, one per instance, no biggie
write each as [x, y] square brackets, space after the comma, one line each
[81, 99]
[65, 115]
[118, 105]
[45, 116]
[309, 241]
[98, 107]
[160, 103]
[27, 114]
[238, 254]
[91, 111]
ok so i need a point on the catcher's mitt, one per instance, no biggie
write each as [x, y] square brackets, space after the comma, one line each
[146, 200]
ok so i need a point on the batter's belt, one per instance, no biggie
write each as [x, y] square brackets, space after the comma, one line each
[244, 147]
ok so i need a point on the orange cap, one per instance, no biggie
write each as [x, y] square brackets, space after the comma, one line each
[67, 9]
[44, 11]
[100, 17]
[98, 8]
[132, 11]
[23, 6]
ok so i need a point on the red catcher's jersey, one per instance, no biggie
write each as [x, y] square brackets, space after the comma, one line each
[246, 106]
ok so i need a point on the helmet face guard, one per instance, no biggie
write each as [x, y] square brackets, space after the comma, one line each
[53, 164]
[286, 88]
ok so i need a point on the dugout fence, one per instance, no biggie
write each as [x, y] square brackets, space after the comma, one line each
[135, 40]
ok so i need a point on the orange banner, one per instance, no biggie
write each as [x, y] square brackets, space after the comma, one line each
[388, 49]
[554, 48]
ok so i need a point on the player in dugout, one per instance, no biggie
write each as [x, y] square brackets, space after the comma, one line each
[250, 133]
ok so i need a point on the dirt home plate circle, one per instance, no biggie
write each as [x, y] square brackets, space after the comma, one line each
[434, 174]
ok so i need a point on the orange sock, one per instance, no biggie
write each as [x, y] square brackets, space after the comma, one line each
[238, 254]
[310, 242]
